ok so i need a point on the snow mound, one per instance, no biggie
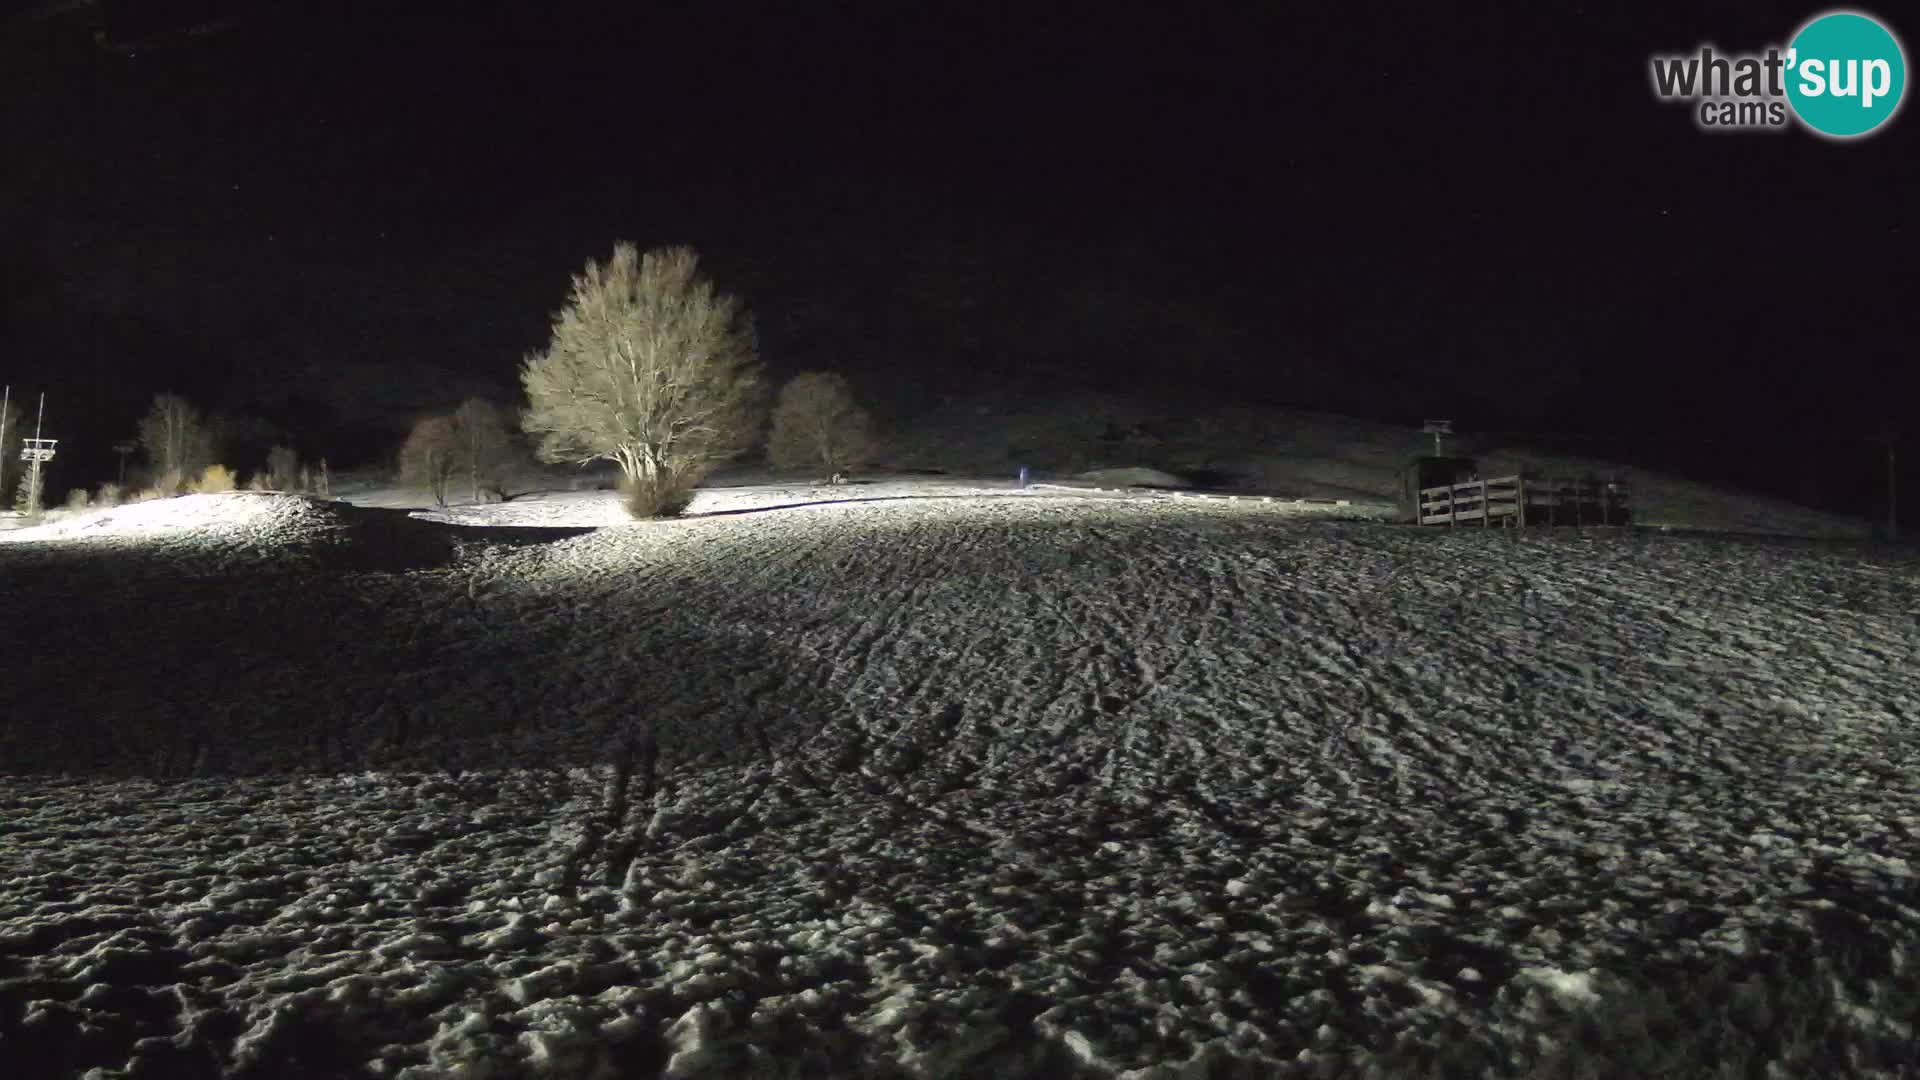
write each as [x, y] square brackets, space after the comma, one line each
[288, 534]
[260, 516]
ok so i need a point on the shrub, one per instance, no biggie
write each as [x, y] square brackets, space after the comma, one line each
[665, 495]
[110, 494]
[147, 495]
[650, 368]
[78, 500]
[214, 478]
[818, 423]
[28, 499]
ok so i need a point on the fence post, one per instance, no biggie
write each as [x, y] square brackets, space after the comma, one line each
[1486, 506]
[1520, 497]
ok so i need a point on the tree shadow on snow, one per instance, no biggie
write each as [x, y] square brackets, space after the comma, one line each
[172, 664]
[742, 511]
[377, 540]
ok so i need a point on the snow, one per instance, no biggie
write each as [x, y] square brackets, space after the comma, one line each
[953, 779]
[1287, 453]
[1572, 987]
[262, 518]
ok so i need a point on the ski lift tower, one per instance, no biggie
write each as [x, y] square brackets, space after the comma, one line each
[36, 452]
[1438, 429]
[123, 449]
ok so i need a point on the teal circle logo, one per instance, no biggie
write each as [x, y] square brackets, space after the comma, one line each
[1845, 74]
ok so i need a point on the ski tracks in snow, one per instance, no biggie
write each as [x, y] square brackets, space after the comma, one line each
[1024, 785]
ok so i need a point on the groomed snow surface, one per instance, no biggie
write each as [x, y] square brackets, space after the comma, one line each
[985, 783]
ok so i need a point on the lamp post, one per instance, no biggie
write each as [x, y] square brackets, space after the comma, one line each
[123, 449]
[1891, 440]
[6, 404]
[36, 452]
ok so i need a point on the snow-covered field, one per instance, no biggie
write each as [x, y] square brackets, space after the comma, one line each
[1289, 452]
[991, 783]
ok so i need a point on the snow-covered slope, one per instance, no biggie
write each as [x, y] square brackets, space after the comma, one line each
[1028, 784]
[1287, 452]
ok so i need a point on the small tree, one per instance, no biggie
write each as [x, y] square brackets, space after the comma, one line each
[283, 469]
[818, 423]
[176, 440]
[650, 368]
[485, 446]
[28, 498]
[213, 478]
[429, 457]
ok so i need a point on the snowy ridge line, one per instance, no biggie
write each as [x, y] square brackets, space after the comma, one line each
[1216, 496]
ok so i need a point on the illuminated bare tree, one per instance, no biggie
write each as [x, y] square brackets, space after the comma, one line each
[649, 368]
[817, 422]
[176, 440]
[430, 456]
[485, 446]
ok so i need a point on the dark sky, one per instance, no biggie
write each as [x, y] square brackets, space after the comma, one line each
[331, 215]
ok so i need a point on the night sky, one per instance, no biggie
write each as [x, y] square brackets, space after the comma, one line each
[332, 217]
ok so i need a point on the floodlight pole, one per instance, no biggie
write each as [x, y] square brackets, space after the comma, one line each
[123, 449]
[6, 402]
[33, 491]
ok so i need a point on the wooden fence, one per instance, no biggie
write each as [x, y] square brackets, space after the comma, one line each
[1520, 501]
